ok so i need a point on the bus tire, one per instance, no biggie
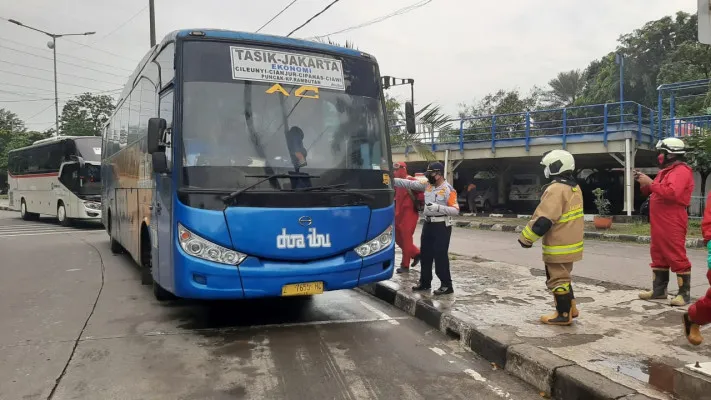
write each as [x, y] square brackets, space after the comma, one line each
[62, 215]
[116, 247]
[26, 215]
[146, 258]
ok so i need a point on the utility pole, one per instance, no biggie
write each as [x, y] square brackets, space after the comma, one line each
[53, 45]
[152, 16]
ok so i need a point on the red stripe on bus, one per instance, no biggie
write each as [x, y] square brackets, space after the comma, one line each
[33, 175]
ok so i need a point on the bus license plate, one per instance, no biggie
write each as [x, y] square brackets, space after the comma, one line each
[302, 289]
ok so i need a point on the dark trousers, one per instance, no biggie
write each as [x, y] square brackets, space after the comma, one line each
[434, 247]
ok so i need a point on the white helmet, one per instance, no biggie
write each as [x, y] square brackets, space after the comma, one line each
[557, 162]
[671, 145]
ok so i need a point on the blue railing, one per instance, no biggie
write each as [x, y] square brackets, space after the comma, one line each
[685, 126]
[563, 123]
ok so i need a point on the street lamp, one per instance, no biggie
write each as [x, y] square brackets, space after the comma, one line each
[620, 60]
[53, 45]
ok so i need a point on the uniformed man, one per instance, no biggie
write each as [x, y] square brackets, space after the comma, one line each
[440, 205]
[558, 219]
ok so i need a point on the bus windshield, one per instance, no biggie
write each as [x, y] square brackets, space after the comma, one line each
[254, 127]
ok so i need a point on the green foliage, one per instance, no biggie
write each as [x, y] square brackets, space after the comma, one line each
[86, 114]
[601, 202]
[498, 103]
[10, 122]
[14, 140]
[661, 51]
[566, 88]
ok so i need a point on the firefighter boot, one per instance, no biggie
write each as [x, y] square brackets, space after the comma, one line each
[573, 308]
[563, 305]
[659, 286]
[692, 331]
[684, 296]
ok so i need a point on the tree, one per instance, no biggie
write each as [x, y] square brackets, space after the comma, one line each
[10, 122]
[661, 51]
[86, 114]
[699, 159]
[511, 103]
[566, 88]
[393, 107]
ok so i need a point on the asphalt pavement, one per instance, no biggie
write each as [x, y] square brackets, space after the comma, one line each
[623, 263]
[77, 324]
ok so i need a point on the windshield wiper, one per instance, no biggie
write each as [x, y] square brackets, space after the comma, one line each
[338, 187]
[236, 193]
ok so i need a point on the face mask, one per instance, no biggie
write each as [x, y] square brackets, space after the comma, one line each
[431, 179]
[661, 159]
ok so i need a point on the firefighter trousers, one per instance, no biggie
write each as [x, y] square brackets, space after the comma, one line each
[558, 274]
[434, 247]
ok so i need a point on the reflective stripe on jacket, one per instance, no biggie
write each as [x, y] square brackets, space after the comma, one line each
[562, 204]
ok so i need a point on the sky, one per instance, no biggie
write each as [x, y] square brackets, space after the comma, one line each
[456, 50]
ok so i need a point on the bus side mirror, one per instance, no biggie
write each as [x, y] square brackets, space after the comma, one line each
[156, 127]
[160, 162]
[79, 160]
[410, 117]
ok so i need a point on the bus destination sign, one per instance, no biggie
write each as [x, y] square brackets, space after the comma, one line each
[289, 68]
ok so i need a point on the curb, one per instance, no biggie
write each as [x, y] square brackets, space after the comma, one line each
[556, 377]
[690, 243]
[5, 208]
[615, 218]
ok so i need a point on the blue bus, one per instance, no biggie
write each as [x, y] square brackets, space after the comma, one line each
[240, 165]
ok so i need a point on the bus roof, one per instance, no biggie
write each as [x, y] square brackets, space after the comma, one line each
[237, 36]
[52, 139]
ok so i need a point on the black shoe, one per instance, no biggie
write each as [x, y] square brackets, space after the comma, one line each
[401, 270]
[421, 288]
[444, 290]
[415, 260]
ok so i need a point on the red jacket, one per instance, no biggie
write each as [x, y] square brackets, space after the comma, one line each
[403, 202]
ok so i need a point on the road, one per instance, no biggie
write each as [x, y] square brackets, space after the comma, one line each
[77, 324]
[621, 263]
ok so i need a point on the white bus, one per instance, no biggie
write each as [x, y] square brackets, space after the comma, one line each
[59, 176]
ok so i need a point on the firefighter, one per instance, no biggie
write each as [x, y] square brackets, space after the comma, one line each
[407, 208]
[440, 206]
[670, 196]
[700, 312]
[558, 219]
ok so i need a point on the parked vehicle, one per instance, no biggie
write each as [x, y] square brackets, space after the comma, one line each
[486, 192]
[526, 190]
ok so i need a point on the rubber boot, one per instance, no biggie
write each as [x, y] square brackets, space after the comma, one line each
[692, 331]
[684, 296]
[562, 315]
[659, 286]
[573, 308]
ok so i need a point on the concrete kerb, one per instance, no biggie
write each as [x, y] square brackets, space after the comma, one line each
[553, 375]
[692, 243]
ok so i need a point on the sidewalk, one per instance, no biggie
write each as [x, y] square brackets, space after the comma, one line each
[637, 345]
[622, 263]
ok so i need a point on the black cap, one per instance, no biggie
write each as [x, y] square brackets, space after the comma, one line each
[435, 166]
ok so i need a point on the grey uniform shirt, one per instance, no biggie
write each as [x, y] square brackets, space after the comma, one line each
[444, 195]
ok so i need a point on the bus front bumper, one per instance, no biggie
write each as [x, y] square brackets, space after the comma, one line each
[200, 279]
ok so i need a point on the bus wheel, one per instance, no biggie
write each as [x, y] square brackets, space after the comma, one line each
[62, 215]
[146, 259]
[26, 215]
[115, 245]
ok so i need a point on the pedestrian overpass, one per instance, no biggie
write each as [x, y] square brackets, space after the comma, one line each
[613, 135]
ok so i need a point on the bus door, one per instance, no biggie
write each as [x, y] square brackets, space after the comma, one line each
[66, 182]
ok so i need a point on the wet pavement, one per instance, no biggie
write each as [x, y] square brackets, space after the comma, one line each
[630, 341]
[623, 263]
[77, 324]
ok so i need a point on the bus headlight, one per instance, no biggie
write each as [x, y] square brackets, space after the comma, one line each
[92, 205]
[377, 244]
[205, 249]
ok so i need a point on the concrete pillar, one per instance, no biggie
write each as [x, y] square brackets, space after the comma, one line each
[504, 176]
[629, 177]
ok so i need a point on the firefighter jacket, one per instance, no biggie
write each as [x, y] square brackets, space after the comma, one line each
[559, 220]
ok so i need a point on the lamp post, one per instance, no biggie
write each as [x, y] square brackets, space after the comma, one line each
[620, 60]
[53, 45]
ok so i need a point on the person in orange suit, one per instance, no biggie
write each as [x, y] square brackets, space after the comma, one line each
[408, 204]
[670, 197]
[699, 313]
